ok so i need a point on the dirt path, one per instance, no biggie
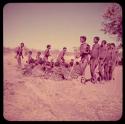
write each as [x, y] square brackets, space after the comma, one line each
[33, 98]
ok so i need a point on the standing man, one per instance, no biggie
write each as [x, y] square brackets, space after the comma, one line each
[84, 52]
[114, 54]
[94, 58]
[107, 62]
[47, 53]
[102, 57]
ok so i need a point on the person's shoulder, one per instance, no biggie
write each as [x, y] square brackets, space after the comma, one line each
[99, 46]
[81, 44]
[17, 48]
[87, 43]
[116, 51]
[61, 51]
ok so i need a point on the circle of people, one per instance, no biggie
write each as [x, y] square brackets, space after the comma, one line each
[103, 56]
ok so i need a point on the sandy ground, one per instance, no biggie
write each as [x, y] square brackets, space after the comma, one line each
[35, 99]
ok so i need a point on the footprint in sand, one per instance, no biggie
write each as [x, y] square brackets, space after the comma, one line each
[84, 98]
[9, 63]
[56, 94]
[12, 93]
[21, 82]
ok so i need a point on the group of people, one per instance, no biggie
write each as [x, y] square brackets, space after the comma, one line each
[104, 56]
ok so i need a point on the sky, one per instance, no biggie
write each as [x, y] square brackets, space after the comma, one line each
[58, 24]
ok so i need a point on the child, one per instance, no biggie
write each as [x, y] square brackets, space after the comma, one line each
[102, 56]
[84, 52]
[60, 58]
[47, 53]
[19, 53]
[94, 58]
[30, 64]
[30, 59]
[38, 58]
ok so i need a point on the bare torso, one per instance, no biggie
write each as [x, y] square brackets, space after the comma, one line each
[95, 51]
[102, 52]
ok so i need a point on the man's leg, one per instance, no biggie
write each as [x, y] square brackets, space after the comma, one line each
[92, 69]
[101, 65]
[19, 60]
[105, 71]
[95, 63]
[108, 71]
[83, 67]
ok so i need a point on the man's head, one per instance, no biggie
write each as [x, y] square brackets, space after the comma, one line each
[39, 53]
[112, 46]
[64, 49]
[48, 46]
[96, 39]
[82, 39]
[22, 45]
[30, 52]
[108, 45]
[103, 42]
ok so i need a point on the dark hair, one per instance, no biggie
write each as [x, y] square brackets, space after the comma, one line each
[41, 62]
[83, 37]
[71, 63]
[97, 38]
[48, 63]
[22, 43]
[88, 45]
[38, 52]
[66, 65]
[30, 52]
[57, 64]
[112, 44]
[64, 48]
[104, 41]
[48, 46]
[77, 63]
